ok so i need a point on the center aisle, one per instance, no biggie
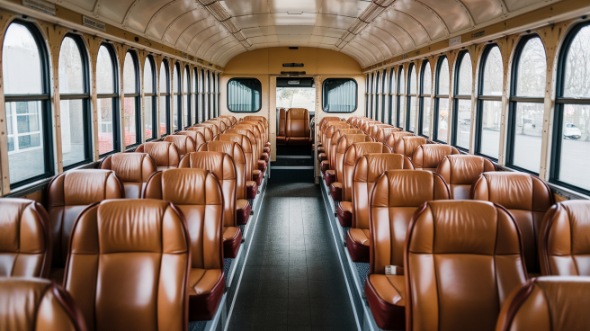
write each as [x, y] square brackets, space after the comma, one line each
[292, 279]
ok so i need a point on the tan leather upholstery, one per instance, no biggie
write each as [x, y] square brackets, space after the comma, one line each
[128, 266]
[374, 130]
[428, 156]
[564, 240]
[393, 138]
[184, 144]
[281, 126]
[343, 143]
[258, 168]
[526, 197]
[368, 168]
[327, 133]
[462, 259]
[547, 304]
[257, 143]
[214, 128]
[29, 304]
[236, 152]
[221, 126]
[197, 136]
[244, 142]
[462, 171]
[353, 153]
[324, 121]
[297, 128]
[25, 242]
[225, 120]
[260, 128]
[406, 145]
[386, 132]
[164, 153]
[68, 195]
[366, 125]
[332, 144]
[132, 169]
[396, 196]
[223, 167]
[231, 118]
[205, 131]
[201, 202]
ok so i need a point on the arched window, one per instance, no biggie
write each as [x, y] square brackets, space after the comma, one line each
[131, 106]
[412, 97]
[489, 103]
[27, 108]
[425, 95]
[149, 99]
[392, 92]
[376, 98]
[185, 96]
[441, 100]
[164, 89]
[371, 95]
[383, 93]
[195, 97]
[401, 97]
[177, 97]
[107, 100]
[204, 95]
[571, 133]
[75, 119]
[218, 92]
[367, 93]
[462, 101]
[525, 124]
[209, 94]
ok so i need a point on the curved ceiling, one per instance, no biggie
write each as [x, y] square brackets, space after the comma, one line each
[368, 31]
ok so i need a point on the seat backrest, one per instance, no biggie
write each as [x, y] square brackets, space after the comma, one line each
[428, 156]
[257, 118]
[282, 122]
[254, 135]
[386, 132]
[462, 258]
[221, 126]
[368, 168]
[246, 146]
[204, 130]
[197, 136]
[260, 127]
[526, 197]
[330, 128]
[547, 304]
[393, 137]
[563, 239]
[214, 128]
[332, 143]
[297, 122]
[352, 154]
[324, 121]
[184, 144]
[164, 153]
[33, 304]
[132, 169]
[366, 125]
[343, 143]
[68, 194]
[237, 154]
[375, 129]
[232, 118]
[225, 120]
[462, 171]
[201, 202]
[25, 244]
[223, 167]
[397, 195]
[407, 145]
[236, 129]
[128, 266]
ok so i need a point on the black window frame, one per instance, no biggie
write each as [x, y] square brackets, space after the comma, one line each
[438, 97]
[392, 79]
[166, 95]
[401, 95]
[326, 90]
[177, 95]
[421, 96]
[259, 94]
[115, 100]
[409, 95]
[136, 95]
[154, 97]
[458, 97]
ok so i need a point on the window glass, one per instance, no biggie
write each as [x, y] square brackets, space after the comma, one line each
[463, 119]
[426, 94]
[412, 100]
[492, 72]
[149, 98]
[244, 95]
[462, 100]
[129, 72]
[392, 91]
[464, 79]
[176, 96]
[339, 95]
[71, 68]
[442, 100]
[185, 97]
[490, 109]
[131, 115]
[105, 79]
[164, 102]
[21, 50]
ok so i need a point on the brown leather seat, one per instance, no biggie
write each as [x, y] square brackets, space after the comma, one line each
[164, 153]
[201, 202]
[329, 156]
[281, 126]
[368, 168]
[406, 145]
[236, 152]
[547, 304]
[297, 129]
[68, 194]
[428, 156]
[184, 143]
[29, 304]
[25, 242]
[352, 154]
[258, 166]
[221, 126]
[386, 132]
[128, 266]
[252, 132]
[397, 195]
[564, 241]
[244, 142]
[375, 130]
[462, 171]
[343, 143]
[225, 120]
[366, 125]
[526, 197]
[233, 120]
[197, 136]
[262, 131]
[393, 138]
[132, 169]
[212, 126]
[462, 260]
[223, 167]
[204, 130]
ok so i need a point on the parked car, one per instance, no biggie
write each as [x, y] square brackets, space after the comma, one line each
[571, 131]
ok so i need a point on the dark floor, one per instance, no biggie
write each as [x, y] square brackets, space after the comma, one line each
[292, 279]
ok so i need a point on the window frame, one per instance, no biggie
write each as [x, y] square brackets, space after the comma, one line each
[325, 91]
[421, 96]
[185, 91]
[115, 100]
[438, 97]
[195, 95]
[392, 81]
[458, 97]
[177, 97]
[409, 96]
[401, 95]
[165, 64]
[154, 97]
[136, 95]
[259, 95]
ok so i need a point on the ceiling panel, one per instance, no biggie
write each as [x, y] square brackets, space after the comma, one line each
[456, 17]
[484, 10]
[427, 18]
[115, 10]
[241, 7]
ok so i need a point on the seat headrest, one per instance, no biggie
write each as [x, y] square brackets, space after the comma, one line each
[84, 187]
[408, 188]
[185, 186]
[130, 167]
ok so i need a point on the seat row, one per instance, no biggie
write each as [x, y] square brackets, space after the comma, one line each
[293, 126]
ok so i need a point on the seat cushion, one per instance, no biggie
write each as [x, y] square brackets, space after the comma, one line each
[257, 175]
[232, 238]
[205, 289]
[344, 213]
[386, 298]
[329, 176]
[357, 243]
[336, 191]
[251, 189]
[262, 166]
[266, 150]
[243, 210]
[264, 157]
